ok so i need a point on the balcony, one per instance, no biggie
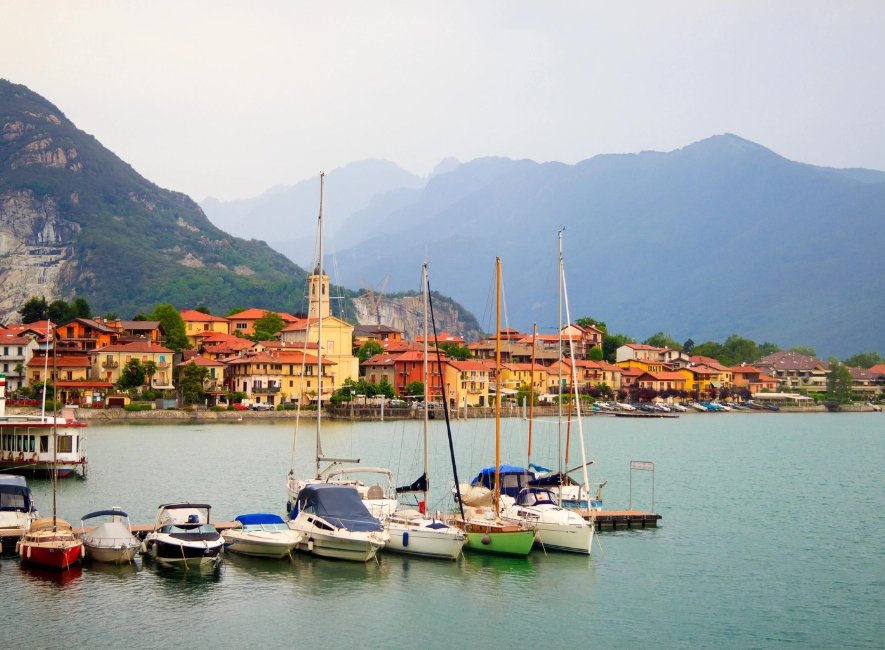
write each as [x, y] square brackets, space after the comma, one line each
[265, 390]
[110, 364]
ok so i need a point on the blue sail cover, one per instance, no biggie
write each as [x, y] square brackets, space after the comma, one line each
[513, 479]
[15, 495]
[340, 505]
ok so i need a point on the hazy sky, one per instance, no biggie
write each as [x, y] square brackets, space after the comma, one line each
[230, 98]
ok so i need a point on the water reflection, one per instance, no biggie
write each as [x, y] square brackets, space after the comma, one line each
[71, 575]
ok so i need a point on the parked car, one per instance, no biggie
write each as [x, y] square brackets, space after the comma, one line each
[240, 407]
[262, 406]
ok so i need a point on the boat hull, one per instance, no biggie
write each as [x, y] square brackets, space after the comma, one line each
[270, 545]
[416, 538]
[569, 538]
[53, 555]
[112, 555]
[518, 543]
[184, 554]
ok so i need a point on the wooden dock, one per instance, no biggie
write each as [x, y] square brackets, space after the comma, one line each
[621, 519]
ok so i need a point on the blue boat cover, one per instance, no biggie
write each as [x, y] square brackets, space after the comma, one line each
[513, 479]
[255, 518]
[15, 495]
[340, 505]
[114, 512]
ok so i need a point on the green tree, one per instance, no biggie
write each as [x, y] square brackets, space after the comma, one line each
[59, 312]
[863, 360]
[710, 349]
[767, 348]
[111, 315]
[132, 375]
[595, 354]
[737, 350]
[587, 321]
[415, 389]
[173, 325]
[203, 309]
[688, 346]
[661, 340]
[807, 350]
[268, 327]
[150, 369]
[34, 309]
[191, 383]
[839, 382]
[611, 343]
[368, 349]
[455, 351]
[80, 308]
[235, 310]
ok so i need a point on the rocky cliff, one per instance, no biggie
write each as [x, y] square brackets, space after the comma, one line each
[406, 313]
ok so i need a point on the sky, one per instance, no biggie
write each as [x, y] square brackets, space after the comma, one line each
[228, 99]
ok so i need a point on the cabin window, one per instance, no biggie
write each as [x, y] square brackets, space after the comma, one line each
[65, 444]
[44, 444]
[31, 444]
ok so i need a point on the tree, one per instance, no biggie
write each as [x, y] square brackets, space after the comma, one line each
[661, 340]
[839, 382]
[81, 309]
[203, 309]
[688, 346]
[595, 354]
[34, 309]
[132, 375]
[863, 360]
[807, 350]
[737, 350]
[415, 389]
[268, 327]
[191, 383]
[587, 321]
[235, 310]
[611, 343]
[59, 311]
[111, 315]
[150, 369]
[710, 349]
[368, 349]
[173, 325]
[455, 351]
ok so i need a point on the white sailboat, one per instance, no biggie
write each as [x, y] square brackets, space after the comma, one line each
[556, 528]
[331, 524]
[413, 531]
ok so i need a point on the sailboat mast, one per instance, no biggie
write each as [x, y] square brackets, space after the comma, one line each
[498, 386]
[54, 428]
[426, 380]
[532, 393]
[568, 320]
[320, 312]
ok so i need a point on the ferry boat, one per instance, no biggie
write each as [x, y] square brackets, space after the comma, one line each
[27, 444]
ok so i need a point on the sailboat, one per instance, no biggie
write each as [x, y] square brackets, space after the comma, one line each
[50, 541]
[556, 527]
[412, 531]
[343, 522]
[486, 531]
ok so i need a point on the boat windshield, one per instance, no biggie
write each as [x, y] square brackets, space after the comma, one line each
[270, 527]
[171, 529]
[535, 496]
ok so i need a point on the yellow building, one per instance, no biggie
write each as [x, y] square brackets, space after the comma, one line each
[467, 382]
[108, 362]
[197, 325]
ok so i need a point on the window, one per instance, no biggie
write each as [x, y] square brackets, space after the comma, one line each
[65, 444]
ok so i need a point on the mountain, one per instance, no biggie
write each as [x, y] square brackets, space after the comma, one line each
[285, 217]
[720, 237]
[75, 220]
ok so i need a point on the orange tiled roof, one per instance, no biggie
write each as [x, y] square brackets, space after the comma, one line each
[194, 316]
[136, 346]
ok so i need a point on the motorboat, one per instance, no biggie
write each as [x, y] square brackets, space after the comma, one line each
[17, 508]
[556, 528]
[261, 534]
[184, 536]
[111, 541]
[378, 492]
[50, 542]
[335, 523]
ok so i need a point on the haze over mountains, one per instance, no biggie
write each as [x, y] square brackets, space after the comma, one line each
[720, 237]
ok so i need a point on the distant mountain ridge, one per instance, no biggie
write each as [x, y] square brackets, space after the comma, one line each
[719, 237]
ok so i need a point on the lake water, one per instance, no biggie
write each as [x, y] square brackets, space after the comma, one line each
[773, 534]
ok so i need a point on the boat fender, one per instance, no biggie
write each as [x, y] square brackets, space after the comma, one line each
[288, 506]
[486, 539]
[29, 552]
[405, 538]
[82, 552]
[18, 548]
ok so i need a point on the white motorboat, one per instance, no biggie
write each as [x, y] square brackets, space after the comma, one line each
[261, 534]
[17, 509]
[184, 536]
[111, 541]
[556, 528]
[377, 493]
[335, 523]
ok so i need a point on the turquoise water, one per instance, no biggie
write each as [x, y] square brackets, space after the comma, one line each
[773, 534]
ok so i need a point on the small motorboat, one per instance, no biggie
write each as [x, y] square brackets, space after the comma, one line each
[17, 509]
[335, 523]
[111, 541]
[261, 534]
[183, 536]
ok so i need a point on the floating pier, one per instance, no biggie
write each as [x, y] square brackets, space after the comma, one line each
[622, 519]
